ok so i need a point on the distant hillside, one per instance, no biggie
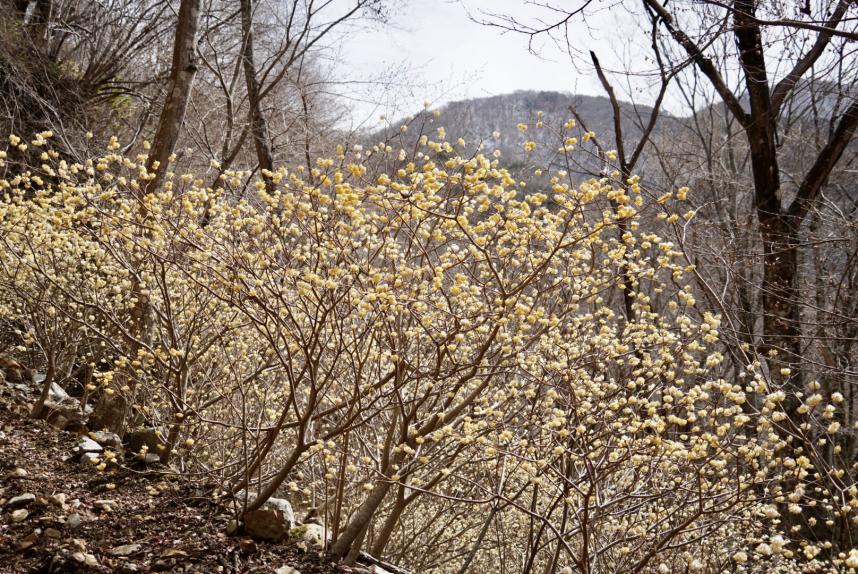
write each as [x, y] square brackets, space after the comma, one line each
[476, 120]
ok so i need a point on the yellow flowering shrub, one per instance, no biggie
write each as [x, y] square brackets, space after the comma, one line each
[409, 337]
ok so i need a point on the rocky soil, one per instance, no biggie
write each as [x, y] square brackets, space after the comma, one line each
[58, 513]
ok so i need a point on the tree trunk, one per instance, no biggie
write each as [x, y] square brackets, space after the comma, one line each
[781, 301]
[380, 543]
[258, 124]
[111, 410]
[38, 410]
[182, 72]
[360, 521]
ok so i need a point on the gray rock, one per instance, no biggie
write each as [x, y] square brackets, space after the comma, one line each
[266, 525]
[22, 500]
[59, 499]
[148, 458]
[20, 515]
[73, 520]
[280, 504]
[125, 550]
[58, 394]
[283, 506]
[86, 444]
[106, 438]
[66, 416]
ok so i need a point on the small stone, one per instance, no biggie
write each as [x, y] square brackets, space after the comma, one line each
[287, 570]
[90, 560]
[73, 521]
[105, 505]
[18, 473]
[22, 500]
[59, 499]
[28, 541]
[20, 515]
[125, 550]
[79, 557]
[52, 533]
[86, 444]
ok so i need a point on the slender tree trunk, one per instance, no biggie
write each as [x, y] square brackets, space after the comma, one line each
[258, 124]
[390, 523]
[38, 411]
[111, 410]
[479, 541]
[360, 521]
[182, 73]
[273, 484]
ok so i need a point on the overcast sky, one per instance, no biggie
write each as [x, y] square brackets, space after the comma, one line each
[432, 50]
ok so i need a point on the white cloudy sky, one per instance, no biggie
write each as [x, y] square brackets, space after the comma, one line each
[448, 56]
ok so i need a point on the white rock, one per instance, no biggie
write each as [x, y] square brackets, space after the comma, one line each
[287, 570]
[20, 515]
[86, 444]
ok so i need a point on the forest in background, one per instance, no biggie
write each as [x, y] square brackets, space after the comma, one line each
[537, 332]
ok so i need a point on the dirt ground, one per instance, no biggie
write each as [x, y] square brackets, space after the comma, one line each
[119, 520]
